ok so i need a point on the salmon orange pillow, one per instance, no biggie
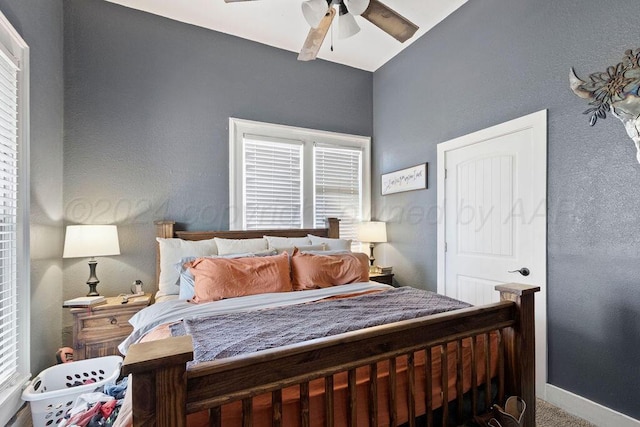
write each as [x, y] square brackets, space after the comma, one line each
[218, 278]
[313, 271]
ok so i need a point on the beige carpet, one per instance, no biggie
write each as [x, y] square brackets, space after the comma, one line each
[548, 415]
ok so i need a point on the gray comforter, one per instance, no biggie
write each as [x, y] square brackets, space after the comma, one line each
[231, 334]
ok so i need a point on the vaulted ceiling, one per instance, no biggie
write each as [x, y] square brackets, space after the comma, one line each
[280, 23]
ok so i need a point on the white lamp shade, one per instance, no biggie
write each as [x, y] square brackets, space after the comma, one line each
[347, 26]
[356, 7]
[91, 241]
[372, 232]
[314, 10]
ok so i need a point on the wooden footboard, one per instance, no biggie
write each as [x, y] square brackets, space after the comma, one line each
[165, 391]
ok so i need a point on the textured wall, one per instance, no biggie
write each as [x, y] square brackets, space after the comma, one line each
[495, 60]
[147, 105]
[39, 22]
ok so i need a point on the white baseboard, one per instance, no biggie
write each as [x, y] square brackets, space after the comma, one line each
[586, 409]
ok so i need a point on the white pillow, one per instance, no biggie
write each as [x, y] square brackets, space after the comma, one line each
[331, 244]
[286, 242]
[239, 246]
[305, 249]
[336, 252]
[171, 252]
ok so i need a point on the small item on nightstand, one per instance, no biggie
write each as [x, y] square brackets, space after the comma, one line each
[381, 270]
[136, 288]
[85, 301]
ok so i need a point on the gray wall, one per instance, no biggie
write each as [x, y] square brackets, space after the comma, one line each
[39, 22]
[147, 104]
[495, 60]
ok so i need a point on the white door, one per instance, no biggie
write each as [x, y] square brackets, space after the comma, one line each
[494, 230]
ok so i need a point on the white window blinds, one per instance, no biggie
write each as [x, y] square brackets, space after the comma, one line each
[272, 185]
[289, 177]
[8, 220]
[338, 187]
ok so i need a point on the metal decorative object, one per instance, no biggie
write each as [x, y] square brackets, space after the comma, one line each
[614, 91]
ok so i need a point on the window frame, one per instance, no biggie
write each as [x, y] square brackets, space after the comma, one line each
[15, 47]
[240, 127]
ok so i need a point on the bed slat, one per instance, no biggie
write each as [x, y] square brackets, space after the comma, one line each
[276, 408]
[328, 401]
[487, 371]
[304, 404]
[444, 370]
[428, 381]
[352, 396]
[500, 366]
[459, 379]
[373, 395]
[215, 417]
[247, 412]
[411, 380]
[474, 375]
[393, 409]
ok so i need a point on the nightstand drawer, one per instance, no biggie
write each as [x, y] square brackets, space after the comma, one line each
[105, 321]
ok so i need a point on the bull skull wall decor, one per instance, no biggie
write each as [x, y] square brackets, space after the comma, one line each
[616, 91]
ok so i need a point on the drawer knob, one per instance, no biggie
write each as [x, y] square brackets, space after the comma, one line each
[114, 320]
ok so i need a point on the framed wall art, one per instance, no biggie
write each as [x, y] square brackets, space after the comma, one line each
[413, 178]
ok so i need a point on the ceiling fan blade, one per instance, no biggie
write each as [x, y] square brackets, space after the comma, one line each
[389, 21]
[315, 38]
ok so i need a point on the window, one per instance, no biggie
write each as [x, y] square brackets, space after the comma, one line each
[14, 230]
[288, 177]
[338, 187]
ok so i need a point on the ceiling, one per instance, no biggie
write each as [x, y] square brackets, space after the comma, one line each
[280, 23]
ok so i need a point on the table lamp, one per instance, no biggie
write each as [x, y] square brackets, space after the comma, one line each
[91, 241]
[372, 232]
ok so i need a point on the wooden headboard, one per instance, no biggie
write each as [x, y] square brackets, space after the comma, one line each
[166, 229]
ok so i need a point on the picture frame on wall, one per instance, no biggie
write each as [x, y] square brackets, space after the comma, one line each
[408, 179]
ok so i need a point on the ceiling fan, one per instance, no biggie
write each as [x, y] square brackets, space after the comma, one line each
[320, 13]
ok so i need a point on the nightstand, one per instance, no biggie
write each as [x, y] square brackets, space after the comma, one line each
[387, 279]
[98, 330]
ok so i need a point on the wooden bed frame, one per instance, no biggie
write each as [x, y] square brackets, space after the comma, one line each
[165, 391]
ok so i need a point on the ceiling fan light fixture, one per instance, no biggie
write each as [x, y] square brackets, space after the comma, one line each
[314, 10]
[347, 26]
[356, 7]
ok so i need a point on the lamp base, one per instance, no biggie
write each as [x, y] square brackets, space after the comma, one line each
[93, 280]
[371, 258]
[92, 290]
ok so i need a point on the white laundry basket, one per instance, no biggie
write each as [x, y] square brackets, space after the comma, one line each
[53, 392]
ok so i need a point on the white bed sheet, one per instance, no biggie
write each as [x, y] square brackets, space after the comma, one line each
[175, 310]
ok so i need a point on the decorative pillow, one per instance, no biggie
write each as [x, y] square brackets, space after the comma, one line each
[187, 281]
[311, 271]
[239, 246]
[217, 278]
[290, 249]
[171, 252]
[331, 244]
[276, 242]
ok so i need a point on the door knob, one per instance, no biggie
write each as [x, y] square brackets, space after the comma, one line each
[524, 271]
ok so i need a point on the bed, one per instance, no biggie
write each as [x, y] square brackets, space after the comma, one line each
[429, 369]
